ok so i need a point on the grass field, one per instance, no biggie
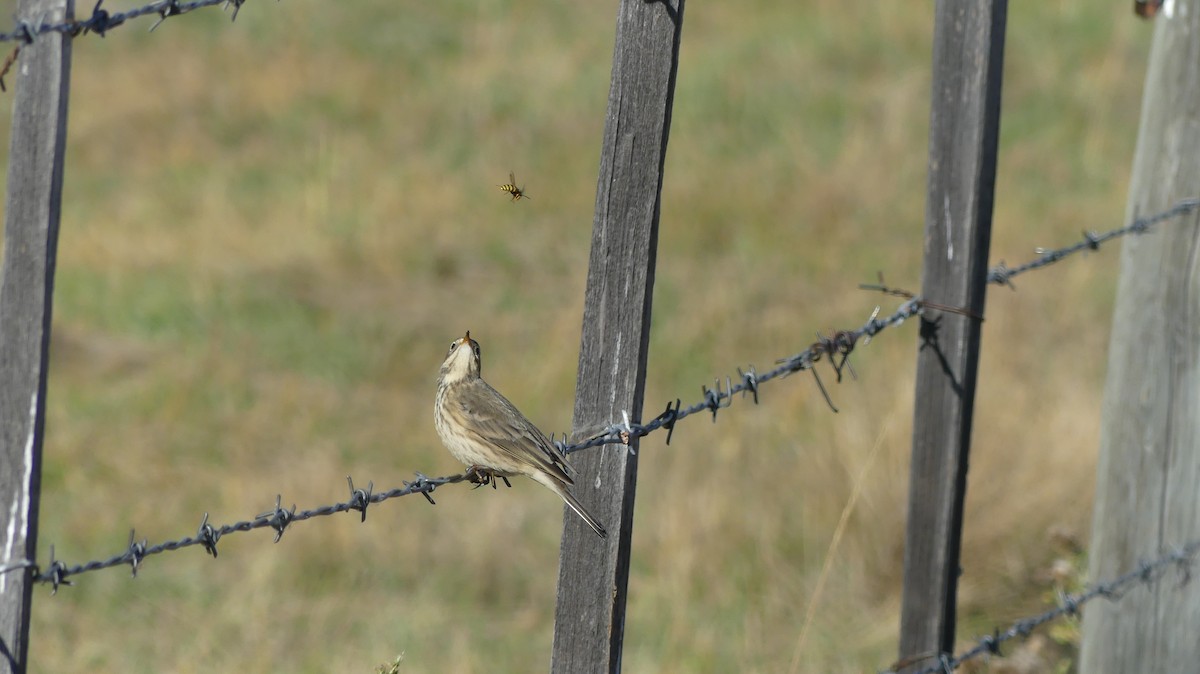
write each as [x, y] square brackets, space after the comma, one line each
[272, 229]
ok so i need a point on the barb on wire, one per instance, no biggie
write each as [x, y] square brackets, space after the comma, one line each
[1070, 604]
[137, 551]
[1003, 275]
[750, 378]
[279, 519]
[237, 7]
[168, 9]
[359, 499]
[101, 21]
[208, 536]
[56, 575]
[817, 378]
[712, 400]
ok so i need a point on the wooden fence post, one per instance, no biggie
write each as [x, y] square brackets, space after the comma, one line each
[1147, 498]
[594, 573]
[968, 58]
[35, 173]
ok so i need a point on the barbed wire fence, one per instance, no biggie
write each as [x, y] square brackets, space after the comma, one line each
[836, 346]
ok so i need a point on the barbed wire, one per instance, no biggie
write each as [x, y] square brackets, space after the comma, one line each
[837, 347]
[1069, 604]
[207, 535]
[101, 21]
[839, 344]
[1002, 275]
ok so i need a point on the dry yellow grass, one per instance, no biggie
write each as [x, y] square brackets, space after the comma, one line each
[271, 230]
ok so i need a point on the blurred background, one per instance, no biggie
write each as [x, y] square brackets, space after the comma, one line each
[272, 230]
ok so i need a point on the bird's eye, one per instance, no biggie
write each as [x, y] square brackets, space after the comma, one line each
[453, 344]
[476, 350]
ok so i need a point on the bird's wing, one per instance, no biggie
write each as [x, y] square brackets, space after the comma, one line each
[496, 421]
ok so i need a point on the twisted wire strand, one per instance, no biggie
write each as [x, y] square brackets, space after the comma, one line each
[1114, 590]
[101, 21]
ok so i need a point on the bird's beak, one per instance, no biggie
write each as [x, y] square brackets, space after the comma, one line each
[468, 337]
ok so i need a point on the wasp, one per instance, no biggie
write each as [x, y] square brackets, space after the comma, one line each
[511, 187]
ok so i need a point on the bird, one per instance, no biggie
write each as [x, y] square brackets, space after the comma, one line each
[489, 434]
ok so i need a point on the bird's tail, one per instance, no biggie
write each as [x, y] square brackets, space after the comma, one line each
[570, 500]
[561, 489]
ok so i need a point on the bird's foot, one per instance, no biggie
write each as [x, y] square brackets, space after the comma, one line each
[482, 476]
[479, 475]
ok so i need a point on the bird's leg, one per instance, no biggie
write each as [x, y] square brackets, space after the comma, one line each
[481, 476]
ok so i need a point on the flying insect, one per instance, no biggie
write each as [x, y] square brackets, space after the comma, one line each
[510, 187]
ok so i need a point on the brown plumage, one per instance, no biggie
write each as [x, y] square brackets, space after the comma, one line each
[484, 430]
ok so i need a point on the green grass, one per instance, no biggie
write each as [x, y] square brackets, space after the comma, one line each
[272, 229]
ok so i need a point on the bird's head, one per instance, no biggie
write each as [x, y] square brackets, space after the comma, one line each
[462, 360]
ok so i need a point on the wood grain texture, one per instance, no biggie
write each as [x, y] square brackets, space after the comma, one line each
[594, 572]
[1148, 480]
[968, 57]
[32, 211]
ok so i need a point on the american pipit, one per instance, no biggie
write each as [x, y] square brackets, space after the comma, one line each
[484, 430]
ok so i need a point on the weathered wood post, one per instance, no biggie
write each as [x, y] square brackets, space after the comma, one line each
[968, 59]
[35, 173]
[594, 573]
[1148, 479]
